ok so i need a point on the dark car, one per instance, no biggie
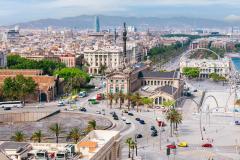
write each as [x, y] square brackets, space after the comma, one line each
[153, 128]
[115, 118]
[137, 119]
[7, 108]
[112, 113]
[154, 131]
[139, 136]
[142, 122]
[154, 134]
[237, 122]
[130, 114]
[83, 109]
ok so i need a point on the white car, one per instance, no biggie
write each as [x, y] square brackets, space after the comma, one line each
[98, 112]
[128, 122]
[124, 118]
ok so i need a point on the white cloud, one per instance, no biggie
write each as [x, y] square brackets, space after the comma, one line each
[232, 18]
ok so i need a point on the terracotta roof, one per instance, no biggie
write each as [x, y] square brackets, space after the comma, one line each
[89, 144]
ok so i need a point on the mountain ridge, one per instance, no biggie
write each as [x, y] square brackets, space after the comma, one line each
[87, 21]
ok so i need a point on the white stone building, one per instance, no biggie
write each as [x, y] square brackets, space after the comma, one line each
[109, 56]
[206, 66]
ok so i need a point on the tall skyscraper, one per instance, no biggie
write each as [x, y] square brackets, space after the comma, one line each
[97, 24]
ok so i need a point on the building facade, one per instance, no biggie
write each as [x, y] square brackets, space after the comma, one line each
[111, 57]
[160, 86]
[221, 67]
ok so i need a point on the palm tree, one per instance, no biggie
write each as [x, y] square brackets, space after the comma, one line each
[129, 142]
[174, 117]
[129, 98]
[92, 124]
[133, 146]
[178, 120]
[110, 97]
[137, 99]
[56, 129]
[37, 136]
[116, 97]
[74, 134]
[121, 97]
[18, 136]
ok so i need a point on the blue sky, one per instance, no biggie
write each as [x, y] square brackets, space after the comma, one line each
[13, 11]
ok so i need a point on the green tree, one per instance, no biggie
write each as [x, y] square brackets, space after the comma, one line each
[129, 141]
[169, 103]
[217, 77]
[110, 97]
[137, 100]
[48, 66]
[37, 136]
[18, 87]
[92, 124]
[174, 117]
[74, 134]
[191, 72]
[18, 136]
[129, 98]
[148, 102]
[56, 129]
[74, 78]
[121, 97]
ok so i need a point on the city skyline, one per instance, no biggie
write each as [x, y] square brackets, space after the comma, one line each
[21, 11]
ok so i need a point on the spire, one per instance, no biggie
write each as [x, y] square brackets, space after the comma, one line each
[124, 40]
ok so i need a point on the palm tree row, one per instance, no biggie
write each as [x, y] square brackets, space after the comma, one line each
[175, 118]
[75, 134]
[130, 99]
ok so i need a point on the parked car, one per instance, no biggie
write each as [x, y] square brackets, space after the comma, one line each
[137, 119]
[139, 136]
[142, 122]
[114, 115]
[207, 145]
[83, 109]
[171, 146]
[130, 114]
[183, 144]
[154, 134]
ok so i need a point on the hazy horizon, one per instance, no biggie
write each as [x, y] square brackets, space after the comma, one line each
[15, 11]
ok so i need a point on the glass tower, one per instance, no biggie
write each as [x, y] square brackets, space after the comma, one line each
[97, 24]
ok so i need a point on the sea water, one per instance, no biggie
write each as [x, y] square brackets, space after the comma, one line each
[236, 62]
